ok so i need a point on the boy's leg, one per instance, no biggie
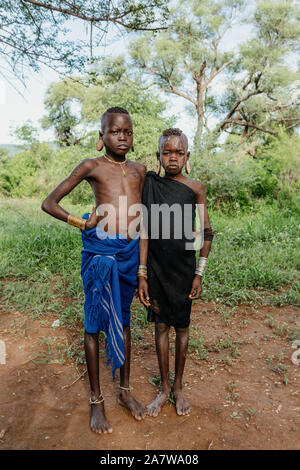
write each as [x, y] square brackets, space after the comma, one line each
[99, 423]
[125, 398]
[162, 350]
[182, 338]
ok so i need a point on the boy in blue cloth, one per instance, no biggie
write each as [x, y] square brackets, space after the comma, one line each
[110, 255]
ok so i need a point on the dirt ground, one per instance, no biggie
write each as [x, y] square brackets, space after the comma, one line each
[244, 395]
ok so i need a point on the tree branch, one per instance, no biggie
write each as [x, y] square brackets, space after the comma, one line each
[249, 124]
[167, 79]
[215, 72]
[293, 125]
[199, 76]
[233, 109]
[179, 93]
[93, 19]
[29, 12]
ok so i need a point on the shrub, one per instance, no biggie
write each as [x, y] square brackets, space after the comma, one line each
[235, 180]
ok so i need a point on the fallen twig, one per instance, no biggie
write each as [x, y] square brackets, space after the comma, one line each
[81, 375]
[25, 362]
[184, 420]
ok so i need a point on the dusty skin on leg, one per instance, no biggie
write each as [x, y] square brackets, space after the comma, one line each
[182, 338]
[98, 423]
[162, 349]
[125, 398]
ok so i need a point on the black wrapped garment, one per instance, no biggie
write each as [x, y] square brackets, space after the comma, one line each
[171, 267]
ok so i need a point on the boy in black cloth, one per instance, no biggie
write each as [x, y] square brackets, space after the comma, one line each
[168, 276]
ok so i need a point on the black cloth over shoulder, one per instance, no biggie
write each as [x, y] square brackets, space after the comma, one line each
[171, 266]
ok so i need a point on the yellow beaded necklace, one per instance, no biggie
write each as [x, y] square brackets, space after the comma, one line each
[117, 163]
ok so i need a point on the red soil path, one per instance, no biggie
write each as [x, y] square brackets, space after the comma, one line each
[238, 402]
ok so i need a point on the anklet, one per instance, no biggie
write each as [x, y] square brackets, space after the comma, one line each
[128, 389]
[100, 399]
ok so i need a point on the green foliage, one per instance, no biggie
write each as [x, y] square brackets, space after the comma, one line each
[280, 157]
[253, 255]
[234, 180]
[58, 104]
[3, 154]
[260, 87]
[196, 344]
[37, 170]
[34, 33]
[59, 168]
[184, 59]
[109, 85]
[33, 245]
[27, 133]
[24, 174]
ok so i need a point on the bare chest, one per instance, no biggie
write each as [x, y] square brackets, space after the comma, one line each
[111, 181]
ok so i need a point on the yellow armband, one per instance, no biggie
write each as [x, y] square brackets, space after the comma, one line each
[76, 221]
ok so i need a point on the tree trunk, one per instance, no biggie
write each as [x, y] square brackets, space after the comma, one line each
[199, 110]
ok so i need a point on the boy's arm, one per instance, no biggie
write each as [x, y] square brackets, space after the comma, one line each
[50, 204]
[208, 237]
[208, 233]
[143, 284]
[143, 251]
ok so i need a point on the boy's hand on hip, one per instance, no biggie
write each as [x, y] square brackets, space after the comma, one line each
[144, 292]
[196, 288]
[92, 220]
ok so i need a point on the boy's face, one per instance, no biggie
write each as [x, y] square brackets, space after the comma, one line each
[173, 154]
[117, 133]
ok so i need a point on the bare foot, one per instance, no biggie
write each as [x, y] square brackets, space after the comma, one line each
[182, 406]
[155, 407]
[137, 410]
[99, 423]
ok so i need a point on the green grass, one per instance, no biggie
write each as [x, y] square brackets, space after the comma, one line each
[282, 329]
[196, 345]
[33, 245]
[254, 259]
[26, 296]
[138, 322]
[226, 344]
[232, 392]
[254, 254]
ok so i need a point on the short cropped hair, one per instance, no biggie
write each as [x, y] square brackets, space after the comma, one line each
[114, 110]
[173, 131]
